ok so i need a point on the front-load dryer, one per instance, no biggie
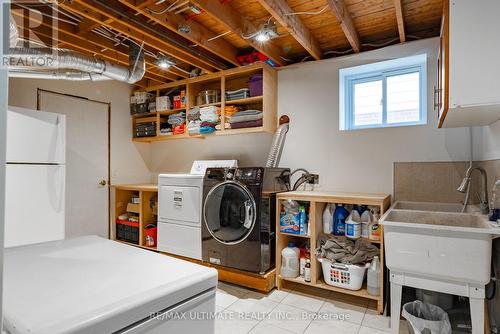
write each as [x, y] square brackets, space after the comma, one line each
[239, 216]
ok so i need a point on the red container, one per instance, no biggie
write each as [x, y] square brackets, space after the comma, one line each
[255, 85]
[150, 235]
[127, 231]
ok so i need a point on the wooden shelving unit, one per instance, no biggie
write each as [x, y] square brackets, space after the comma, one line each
[232, 79]
[318, 201]
[122, 196]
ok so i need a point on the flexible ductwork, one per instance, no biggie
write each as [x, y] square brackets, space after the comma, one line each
[274, 156]
[57, 75]
[14, 34]
[66, 64]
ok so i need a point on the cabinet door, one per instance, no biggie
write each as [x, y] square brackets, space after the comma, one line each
[441, 94]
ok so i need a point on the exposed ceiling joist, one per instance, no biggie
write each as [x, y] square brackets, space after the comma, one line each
[91, 11]
[401, 23]
[339, 9]
[94, 44]
[198, 34]
[279, 9]
[239, 25]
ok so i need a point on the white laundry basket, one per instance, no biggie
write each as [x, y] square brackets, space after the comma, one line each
[347, 276]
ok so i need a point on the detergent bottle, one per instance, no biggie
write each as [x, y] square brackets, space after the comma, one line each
[339, 218]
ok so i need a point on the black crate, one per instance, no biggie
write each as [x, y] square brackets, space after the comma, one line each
[127, 231]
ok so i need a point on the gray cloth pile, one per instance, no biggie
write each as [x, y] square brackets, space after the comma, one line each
[343, 250]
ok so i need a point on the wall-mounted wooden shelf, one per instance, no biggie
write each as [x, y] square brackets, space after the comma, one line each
[317, 202]
[232, 79]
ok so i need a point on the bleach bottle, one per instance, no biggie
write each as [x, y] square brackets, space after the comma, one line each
[339, 218]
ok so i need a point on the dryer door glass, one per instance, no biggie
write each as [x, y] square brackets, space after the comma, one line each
[229, 212]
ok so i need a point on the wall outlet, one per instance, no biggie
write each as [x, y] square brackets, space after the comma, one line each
[314, 180]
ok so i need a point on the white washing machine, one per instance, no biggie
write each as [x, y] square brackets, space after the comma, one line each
[180, 209]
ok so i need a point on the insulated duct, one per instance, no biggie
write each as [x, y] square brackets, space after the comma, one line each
[57, 75]
[274, 156]
[71, 65]
[13, 33]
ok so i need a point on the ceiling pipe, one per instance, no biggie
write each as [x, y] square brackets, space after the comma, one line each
[57, 75]
[66, 64]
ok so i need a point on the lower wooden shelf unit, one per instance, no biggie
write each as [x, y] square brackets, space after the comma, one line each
[317, 202]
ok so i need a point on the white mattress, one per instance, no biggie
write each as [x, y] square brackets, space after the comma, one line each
[93, 285]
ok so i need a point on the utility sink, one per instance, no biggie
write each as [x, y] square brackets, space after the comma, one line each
[434, 206]
[448, 246]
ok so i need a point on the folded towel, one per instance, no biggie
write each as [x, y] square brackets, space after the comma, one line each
[249, 124]
[245, 118]
[207, 130]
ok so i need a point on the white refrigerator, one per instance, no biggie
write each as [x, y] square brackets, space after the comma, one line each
[35, 177]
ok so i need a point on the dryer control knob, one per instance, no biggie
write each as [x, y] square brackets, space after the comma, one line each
[229, 175]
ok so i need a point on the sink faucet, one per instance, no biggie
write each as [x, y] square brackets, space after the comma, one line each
[483, 205]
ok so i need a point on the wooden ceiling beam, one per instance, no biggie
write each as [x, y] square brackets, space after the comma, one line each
[279, 10]
[199, 34]
[400, 18]
[339, 9]
[89, 10]
[239, 25]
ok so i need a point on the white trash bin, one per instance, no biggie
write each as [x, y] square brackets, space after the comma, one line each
[426, 318]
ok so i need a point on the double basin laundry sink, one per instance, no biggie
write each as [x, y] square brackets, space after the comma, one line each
[435, 240]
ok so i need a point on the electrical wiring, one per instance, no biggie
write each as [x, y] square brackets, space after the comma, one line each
[164, 10]
[308, 13]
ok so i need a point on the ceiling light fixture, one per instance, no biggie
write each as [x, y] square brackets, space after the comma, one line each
[164, 62]
[265, 33]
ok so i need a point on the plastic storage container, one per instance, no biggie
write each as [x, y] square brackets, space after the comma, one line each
[127, 231]
[255, 85]
[290, 261]
[150, 235]
[347, 276]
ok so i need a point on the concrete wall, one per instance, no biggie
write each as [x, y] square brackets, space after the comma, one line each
[360, 160]
[348, 161]
[128, 159]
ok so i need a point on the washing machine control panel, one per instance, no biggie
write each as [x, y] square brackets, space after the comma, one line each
[246, 175]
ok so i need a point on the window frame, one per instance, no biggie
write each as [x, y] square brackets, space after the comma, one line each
[363, 74]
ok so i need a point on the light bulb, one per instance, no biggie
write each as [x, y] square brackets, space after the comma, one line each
[262, 37]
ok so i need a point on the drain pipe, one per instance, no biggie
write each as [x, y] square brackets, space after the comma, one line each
[274, 156]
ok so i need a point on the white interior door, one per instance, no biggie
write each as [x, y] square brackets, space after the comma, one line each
[87, 162]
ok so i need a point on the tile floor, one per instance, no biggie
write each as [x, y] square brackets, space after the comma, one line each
[242, 311]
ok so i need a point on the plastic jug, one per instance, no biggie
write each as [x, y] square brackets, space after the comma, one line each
[495, 202]
[373, 279]
[328, 219]
[290, 261]
[352, 227]
[339, 218]
[366, 219]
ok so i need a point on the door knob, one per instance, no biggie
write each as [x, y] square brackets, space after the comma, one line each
[102, 183]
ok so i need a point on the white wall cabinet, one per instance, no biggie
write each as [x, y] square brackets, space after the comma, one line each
[468, 91]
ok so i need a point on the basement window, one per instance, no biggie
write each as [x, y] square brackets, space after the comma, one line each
[384, 94]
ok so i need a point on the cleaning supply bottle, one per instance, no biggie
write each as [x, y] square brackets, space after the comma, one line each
[366, 219]
[495, 202]
[290, 261]
[339, 218]
[307, 271]
[374, 227]
[373, 280]
[352, 227]
[328, 218]
[303, 223]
